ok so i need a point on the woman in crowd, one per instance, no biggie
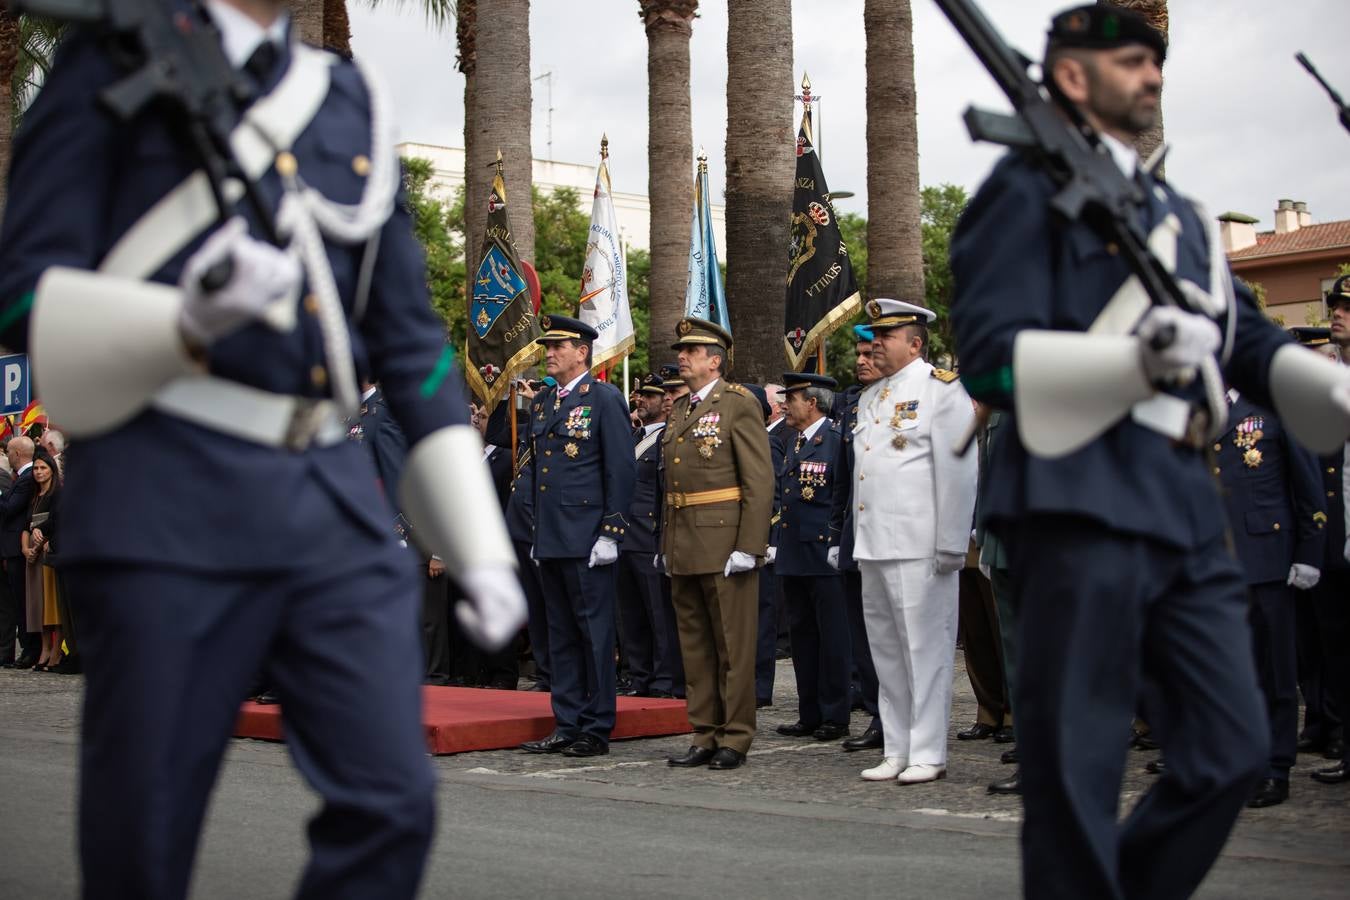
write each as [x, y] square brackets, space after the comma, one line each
[41, 580]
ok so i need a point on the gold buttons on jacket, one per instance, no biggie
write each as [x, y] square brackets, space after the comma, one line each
[1331, 470]
[677, 460]
[861, 507]
[319, 376]
[361, 164]
[286, 164]
[1218, 447]
[1216, 470]
[1277, 526]
[543, 487]
[1112, 248]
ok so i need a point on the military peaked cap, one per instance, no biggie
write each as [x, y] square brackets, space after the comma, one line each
[562, 328]
[887, 314]
[693, 331]
[796, 381]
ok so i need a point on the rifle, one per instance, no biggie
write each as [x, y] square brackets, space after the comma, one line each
[1343, 110]
[1092, 189]
[174, 58]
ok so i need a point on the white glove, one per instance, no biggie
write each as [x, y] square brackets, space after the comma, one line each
[604, 553]
[738, 562]
[945, 563]
[494, 606]
[1194, 339]
[832, 557]
[770, 555]
[261, 275]
[1303, 577]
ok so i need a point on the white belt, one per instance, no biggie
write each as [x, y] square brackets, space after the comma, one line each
[251, 414]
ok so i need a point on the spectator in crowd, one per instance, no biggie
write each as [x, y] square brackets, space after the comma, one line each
[14, 515]
[54, 442]
[915, 501]
[41, 611]
[814, 592]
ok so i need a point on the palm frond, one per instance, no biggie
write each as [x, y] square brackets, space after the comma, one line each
[439, 13]
[38, 40]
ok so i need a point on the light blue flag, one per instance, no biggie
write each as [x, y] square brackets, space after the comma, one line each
[704, 297]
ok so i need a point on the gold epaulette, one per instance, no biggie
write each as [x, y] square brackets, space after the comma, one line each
[736, 388]
[946, 376]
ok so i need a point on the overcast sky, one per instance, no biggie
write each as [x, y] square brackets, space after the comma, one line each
[1247, 125]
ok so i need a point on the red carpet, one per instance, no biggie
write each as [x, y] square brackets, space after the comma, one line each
[462, 719]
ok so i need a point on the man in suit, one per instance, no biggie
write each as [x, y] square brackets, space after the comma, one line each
[14, 503]
[714, 532]
[841, 538]
[910, 543]
[801, 540]
[1276, 514]
[1330, 609]
[1100, 490]
[214, 508]
[646, 620]
[583, 492]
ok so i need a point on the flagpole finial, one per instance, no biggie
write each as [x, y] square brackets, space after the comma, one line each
[806, 81]
[702, 159]
[604, 146]
[497, 162]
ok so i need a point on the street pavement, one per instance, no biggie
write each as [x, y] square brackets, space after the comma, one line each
[796, 821]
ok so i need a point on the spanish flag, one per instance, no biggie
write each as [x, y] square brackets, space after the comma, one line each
[33, 414]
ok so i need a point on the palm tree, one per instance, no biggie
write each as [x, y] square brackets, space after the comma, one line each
[307, 21]
[475, 185]
[497, 117]
[27, 45]
[670, 139]
[337, 28]
[760, 172]
[894, 245]
[9, 60]
[1155, 11]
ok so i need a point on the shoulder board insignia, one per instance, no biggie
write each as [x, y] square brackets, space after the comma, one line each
[1319, 517]
[585, 388]
[737, 389]
[946, 376]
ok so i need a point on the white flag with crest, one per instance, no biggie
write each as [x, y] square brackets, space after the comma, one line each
[604, 280]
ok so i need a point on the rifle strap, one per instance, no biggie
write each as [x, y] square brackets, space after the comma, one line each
[268, 127]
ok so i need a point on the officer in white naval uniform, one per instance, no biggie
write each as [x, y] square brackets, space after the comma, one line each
[914, 499]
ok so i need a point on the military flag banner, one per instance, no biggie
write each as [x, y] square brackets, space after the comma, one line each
[604, 278]
[704, 296]
[822, 292]
[503, 323]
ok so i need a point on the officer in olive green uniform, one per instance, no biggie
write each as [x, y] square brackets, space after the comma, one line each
[719, 484]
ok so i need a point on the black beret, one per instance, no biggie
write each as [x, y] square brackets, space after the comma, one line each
[1340, 291]
[757, 391]
[1097, 27]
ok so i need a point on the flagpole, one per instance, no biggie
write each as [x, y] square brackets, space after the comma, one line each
[515, 441]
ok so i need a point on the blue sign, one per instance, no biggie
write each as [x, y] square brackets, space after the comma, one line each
[15, 383]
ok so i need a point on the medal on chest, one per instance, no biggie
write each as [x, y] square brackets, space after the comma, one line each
[707, 434]
[1245, 437]
[905, 411]
[811, 475]
[578, 424]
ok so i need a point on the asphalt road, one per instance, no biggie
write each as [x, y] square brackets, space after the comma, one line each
[795, 822]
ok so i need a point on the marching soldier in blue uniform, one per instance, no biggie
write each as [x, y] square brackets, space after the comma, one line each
[800, 545]
[248, 524]
[1277, 515]
[840, 555]
[583, 473]
[1100, 489]
[650, 640]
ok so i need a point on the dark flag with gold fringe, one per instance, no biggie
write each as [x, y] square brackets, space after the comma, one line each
[503, 323]
[822, 293]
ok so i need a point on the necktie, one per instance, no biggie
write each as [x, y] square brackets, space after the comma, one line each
[558, 398]
[261, 63]
[693, 402]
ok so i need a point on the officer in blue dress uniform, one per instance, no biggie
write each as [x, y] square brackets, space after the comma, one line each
[584, 471]
[799, 546]
[1111, 516]
[247, 524]
[840, 554]
[1277, 515]
[646, 619]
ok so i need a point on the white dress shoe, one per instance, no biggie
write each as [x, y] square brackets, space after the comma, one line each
[890, 767]
[921, 773]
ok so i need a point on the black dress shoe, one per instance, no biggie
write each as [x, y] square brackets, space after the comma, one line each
[871, 739]
[692, 758]
[796, 729]
[1144, 742]
[660, 695]
[1270, 792]
[69, 665]
[25, 662]
[629, 692]
[760, 704]
[585, 746]
[830, 731]
[1310, 745]
[268, 697]
[977, 732]
[1335, 749]
[1009, 757]
[1156, 766]
[1009, 785]
[540, 687]
[1337, 774]
[554, 743]
[1005, 735]
[726, 758]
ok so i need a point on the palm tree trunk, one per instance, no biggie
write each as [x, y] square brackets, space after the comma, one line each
[475, 185]
[9, 58]
[760, 172]
[1155, 11]
[497, 117]
[894, 244]
[307, 21]
[670, 158]
[337, 28]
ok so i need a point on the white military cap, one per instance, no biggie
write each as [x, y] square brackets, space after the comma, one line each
[886, 313]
